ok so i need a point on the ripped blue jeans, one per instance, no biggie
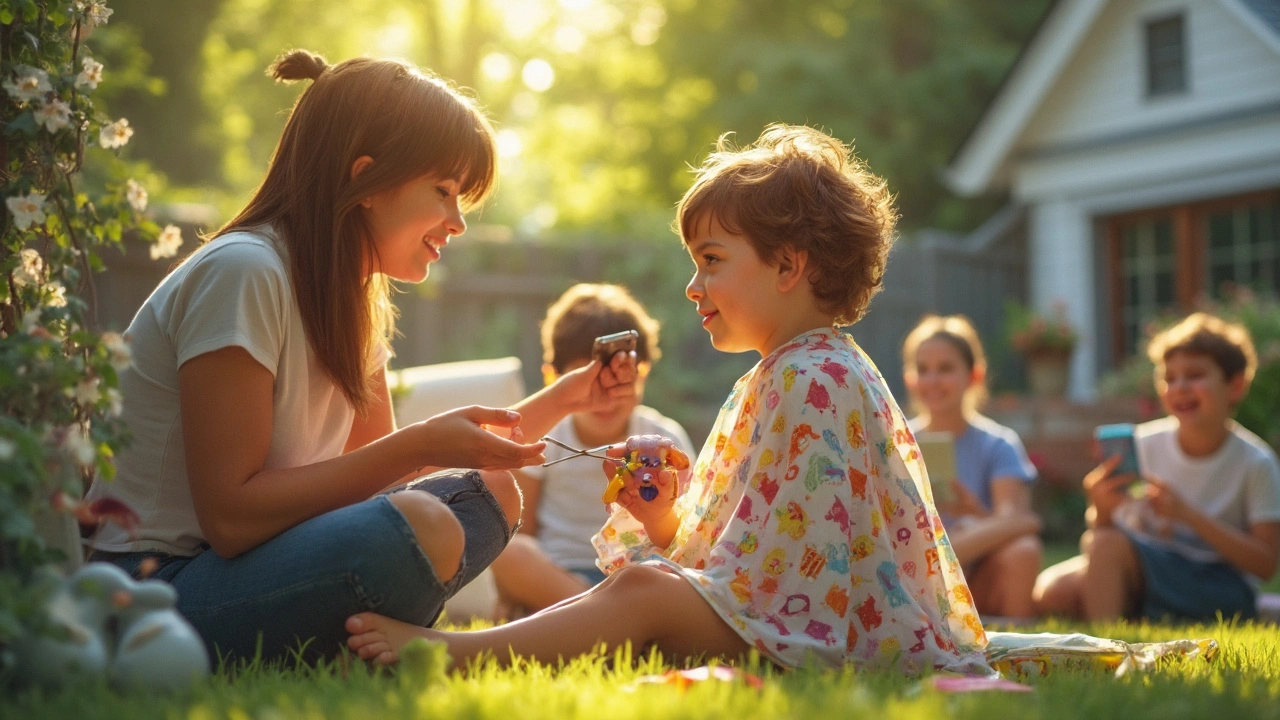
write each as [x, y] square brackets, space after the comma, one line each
[300, 586]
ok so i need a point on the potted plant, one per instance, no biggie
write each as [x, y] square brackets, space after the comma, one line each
[1046, 343]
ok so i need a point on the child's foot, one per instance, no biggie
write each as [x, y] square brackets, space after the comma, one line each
[378, 638]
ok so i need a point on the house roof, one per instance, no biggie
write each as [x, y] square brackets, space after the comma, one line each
[980, 156]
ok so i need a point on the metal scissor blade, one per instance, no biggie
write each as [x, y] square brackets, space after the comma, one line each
[594, 452]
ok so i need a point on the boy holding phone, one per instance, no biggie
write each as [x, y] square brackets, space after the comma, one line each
[1206, 531]
[552, 558]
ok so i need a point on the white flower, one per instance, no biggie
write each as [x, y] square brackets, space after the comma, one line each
[54, 115]
[91, 75]
[168, 243]
[31, 270]
[137, 195]
[79, 446]
[31, 321]
[116, 134]
[27, 209]
[29, 84]
[7, 447]
[57, 294]
[118, 348]
[86, 392]
[115, 402]
[95, 12]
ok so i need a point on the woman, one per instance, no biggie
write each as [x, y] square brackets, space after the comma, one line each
[258, 397]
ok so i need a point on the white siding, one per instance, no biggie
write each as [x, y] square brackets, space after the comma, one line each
[1061, 260]
[1103, 90]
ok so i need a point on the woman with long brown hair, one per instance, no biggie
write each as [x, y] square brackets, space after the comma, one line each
[257, 397]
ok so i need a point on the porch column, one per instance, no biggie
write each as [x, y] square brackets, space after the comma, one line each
[1061, 272]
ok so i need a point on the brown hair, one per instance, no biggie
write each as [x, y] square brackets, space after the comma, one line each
[799, 187]
[958, 332]
[587, 311]
[412, 124]
[1226, 343]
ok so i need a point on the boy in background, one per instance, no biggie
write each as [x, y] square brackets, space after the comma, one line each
[552, 558]
[1205, 530]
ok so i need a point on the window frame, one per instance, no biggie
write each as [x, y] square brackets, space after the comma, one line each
[1149, 66]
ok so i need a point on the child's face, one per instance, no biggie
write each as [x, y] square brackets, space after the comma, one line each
[411, 224]
[940, 376]
[735, 291]
[1193, 389]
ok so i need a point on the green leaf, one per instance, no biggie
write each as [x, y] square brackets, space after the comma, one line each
[6, 16]
[25, 123]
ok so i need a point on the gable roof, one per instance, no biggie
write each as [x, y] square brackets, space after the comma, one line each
[1064, 26]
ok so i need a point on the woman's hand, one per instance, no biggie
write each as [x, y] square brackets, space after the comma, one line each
[595, 385]
[459, 438]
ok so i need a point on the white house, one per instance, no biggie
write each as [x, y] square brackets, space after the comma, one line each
[1142, 138]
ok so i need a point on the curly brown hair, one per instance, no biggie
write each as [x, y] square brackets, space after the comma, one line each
[799, 187]
[1228, 344]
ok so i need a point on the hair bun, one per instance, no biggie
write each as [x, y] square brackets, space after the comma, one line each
[297, 65]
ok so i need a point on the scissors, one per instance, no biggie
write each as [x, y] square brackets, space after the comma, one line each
[595, 452]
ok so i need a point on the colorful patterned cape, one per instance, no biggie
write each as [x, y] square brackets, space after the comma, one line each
[809, 526]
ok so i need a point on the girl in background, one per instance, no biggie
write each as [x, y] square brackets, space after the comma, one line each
[992, 528]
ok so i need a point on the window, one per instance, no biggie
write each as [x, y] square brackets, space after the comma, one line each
[1147, 265]
[1166, 57]
[1244, 247]
[1165, 260]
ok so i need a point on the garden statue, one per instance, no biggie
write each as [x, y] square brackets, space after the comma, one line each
[105, 623]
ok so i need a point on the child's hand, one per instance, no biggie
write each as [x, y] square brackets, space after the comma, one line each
[650, 513]
[1164, 500]
[965, 503]
[458, 438]
[1106, 492]
[597, 386]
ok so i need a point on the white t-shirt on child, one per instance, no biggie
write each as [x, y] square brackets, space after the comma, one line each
[234, 291]
[1239, 486]
[570, 511]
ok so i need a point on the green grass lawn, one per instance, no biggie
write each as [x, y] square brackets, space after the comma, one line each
[1242, 682]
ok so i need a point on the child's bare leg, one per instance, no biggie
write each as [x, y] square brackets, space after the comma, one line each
[1113, 578]
[527, 577]
[1059, 590]
[643, 605]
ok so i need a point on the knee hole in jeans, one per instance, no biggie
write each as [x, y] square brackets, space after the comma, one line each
[436, 528]
[502, 485]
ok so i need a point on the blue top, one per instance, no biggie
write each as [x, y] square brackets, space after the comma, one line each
[985, 451]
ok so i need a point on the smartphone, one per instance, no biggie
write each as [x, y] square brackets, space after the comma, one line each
[1118, 439]
[606, 346]
[939, 452]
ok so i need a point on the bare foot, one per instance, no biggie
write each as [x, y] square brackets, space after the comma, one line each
[379, 638]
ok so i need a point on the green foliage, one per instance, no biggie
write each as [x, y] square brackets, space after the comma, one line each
[1242, 682]
[640, 89]
[58, 380]
[1260, 315]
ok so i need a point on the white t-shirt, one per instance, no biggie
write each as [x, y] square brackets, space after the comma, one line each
[569, 511]
[1239, 486]
[234, 291]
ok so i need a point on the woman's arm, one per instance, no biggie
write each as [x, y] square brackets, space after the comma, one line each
[226, 406]
[582, 389]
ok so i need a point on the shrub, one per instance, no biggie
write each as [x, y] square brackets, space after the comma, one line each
[58, 378]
